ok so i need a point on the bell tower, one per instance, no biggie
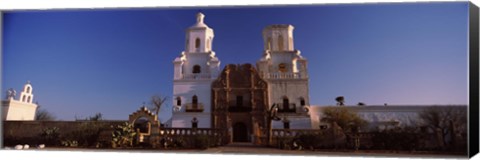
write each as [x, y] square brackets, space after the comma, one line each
[26, 96]
[285, 71]
[199, 37]
[194, 71]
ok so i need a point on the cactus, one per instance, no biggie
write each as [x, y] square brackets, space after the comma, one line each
[123, 135]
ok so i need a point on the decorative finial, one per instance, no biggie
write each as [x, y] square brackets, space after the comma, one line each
[28, 82]
[200, 17]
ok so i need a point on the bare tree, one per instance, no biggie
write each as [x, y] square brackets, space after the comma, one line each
[96, 117]
[44, 115]
[445, 121]
[157, 101]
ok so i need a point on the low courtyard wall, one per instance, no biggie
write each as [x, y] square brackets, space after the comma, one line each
[29, 132]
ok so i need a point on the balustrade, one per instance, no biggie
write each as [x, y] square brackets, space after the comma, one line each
[194, 107]
[283, 76]
[197, 76]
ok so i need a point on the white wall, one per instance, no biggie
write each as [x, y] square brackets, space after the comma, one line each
[406, 115]
[293, 89]
[184, 119]
[187, 89]
[296, 122]
[16, 110]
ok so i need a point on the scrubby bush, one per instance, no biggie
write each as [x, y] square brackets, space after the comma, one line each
[123, 135]
[86, 135]
[399, 139]
[50, 136]
[309, 141]
[201, 141]
[70, 143]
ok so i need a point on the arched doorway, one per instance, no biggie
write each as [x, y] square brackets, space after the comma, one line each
[240, 133]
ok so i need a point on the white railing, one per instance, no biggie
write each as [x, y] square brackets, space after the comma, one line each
[197, 76]
[283, 76]
[191, 107]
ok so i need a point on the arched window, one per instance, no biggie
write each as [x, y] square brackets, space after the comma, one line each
[197, 43]
[187, 44]
[28, 89]
[195, 99]
[269, 43]
[285, 103]
[23, 98]
[282, 67]
[28, 99]
[196, 69]
[302, 101]
[280, 43]
[179, 101]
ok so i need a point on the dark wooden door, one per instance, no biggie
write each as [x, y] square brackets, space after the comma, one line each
[240, 133]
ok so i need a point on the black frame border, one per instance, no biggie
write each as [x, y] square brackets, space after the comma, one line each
[473, 148]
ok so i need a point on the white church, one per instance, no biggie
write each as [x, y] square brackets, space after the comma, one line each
[238, 96]
[21, 109]
[196, 101]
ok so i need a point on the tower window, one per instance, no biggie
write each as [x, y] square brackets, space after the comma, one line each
[28, 89]
[195, 99]
[196, 69]
[282, 67]
[280, 43]
[28, 99]
[285, 103]
[179, 101]
[197, 43]
[23, 98]
[302, 101]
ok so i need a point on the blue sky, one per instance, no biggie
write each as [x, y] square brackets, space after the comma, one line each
[81, 62]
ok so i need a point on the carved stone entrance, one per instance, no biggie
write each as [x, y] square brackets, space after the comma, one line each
[239, 103]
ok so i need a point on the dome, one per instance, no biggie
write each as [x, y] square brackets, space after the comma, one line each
[200, 23]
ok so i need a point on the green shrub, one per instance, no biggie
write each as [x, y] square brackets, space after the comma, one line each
[201, 141]
[123, 135]
[69, 143]
[50, 136]
[307, 141]
[178, 143]
[86, 135]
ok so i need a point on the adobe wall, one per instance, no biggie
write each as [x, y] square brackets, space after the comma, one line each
[32, 129]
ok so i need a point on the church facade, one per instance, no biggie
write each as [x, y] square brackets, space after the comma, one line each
[238, 97]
